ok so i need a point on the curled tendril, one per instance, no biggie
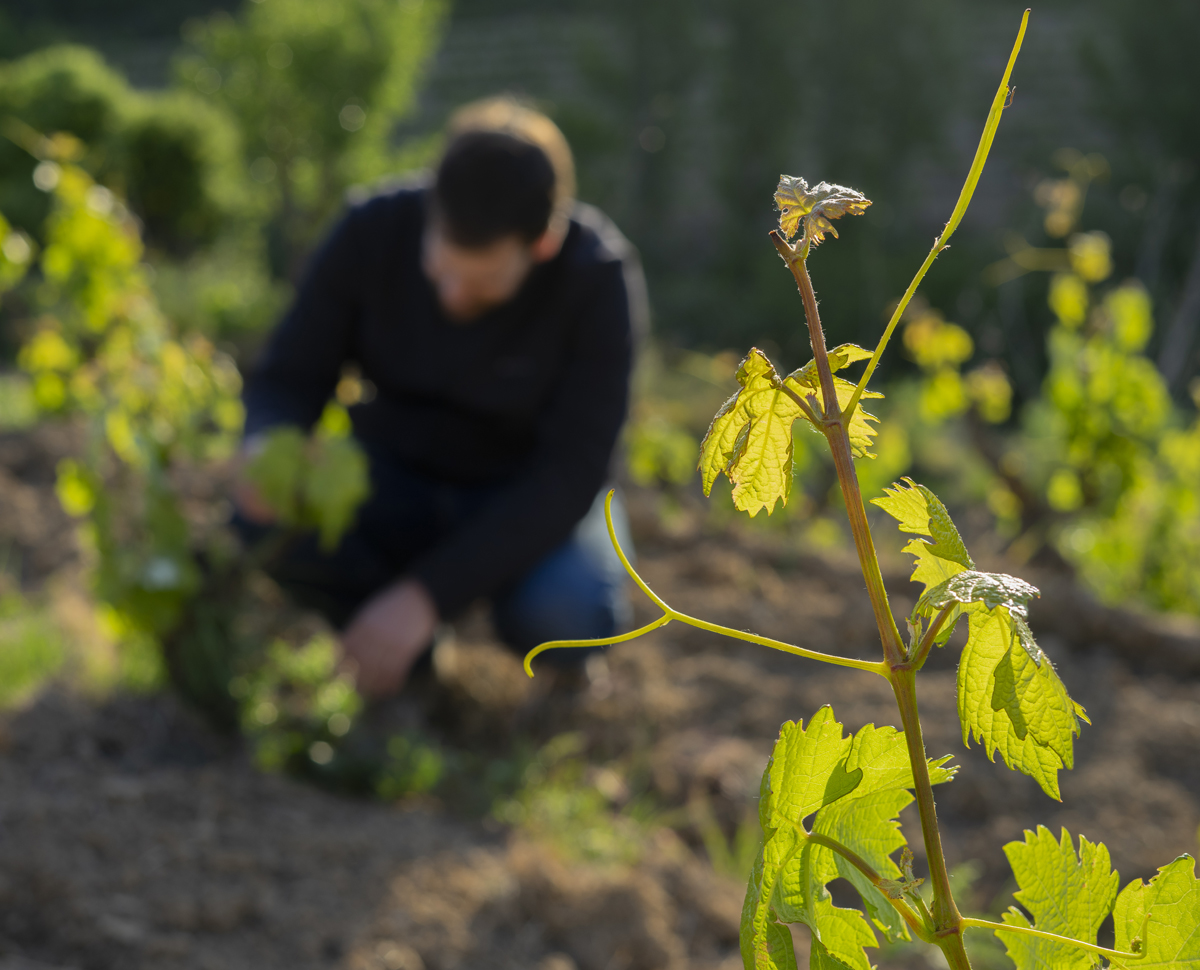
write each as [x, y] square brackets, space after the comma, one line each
[669, 614]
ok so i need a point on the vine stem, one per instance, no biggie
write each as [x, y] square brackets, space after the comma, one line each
[947, 921]
[839, 444]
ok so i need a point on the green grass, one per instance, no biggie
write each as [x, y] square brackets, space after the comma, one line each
[32, 647]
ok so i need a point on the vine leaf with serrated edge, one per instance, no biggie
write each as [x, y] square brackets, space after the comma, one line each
[1172, 934]
[940, 556]
[750, 438]
[993, 590]
[1072, 894]
[1010, 699]
[1065, 893]
[918, 510]
[854, 787]
[815, 207]
[805, 382]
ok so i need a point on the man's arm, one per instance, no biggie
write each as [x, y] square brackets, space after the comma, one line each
[579, 429]
[300, 367]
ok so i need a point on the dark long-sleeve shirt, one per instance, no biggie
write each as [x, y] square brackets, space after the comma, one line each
[531, 395]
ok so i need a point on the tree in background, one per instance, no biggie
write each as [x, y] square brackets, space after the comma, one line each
[235, 171]
[174, 156]
[316, 88]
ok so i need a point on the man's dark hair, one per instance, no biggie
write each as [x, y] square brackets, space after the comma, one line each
[491, 184]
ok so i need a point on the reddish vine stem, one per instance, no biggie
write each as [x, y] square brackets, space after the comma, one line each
[947, 921]
[839, 445]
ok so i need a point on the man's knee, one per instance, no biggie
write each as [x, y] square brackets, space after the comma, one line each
[564, 598]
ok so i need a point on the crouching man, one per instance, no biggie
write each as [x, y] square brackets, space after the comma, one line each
[493, 317]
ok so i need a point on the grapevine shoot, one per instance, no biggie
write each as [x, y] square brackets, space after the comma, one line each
[830, 802]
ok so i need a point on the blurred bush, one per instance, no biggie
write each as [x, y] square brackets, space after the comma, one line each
[174, 156]
[316, 88]
[159, 407]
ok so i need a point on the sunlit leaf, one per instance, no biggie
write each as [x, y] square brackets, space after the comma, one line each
[816, 207]
[802, 767]
[337, 482]
[994, 591]
[765, 945]
[918, 510]
[1013, 704]
[750, 439]
[806, 383]
[1172, 936]
[1066, 894]
[857, 787]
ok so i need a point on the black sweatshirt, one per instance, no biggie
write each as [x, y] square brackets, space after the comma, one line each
[531, 395]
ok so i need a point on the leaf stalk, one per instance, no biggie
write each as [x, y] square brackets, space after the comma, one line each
[919, 926]
[917, 661]
[986, 924]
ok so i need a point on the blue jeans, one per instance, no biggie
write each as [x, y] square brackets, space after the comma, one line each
[576, 592]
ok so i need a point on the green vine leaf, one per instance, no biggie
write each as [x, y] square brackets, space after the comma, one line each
[918, 510]
[815, 207]
[1011, 700]
[316, 482]
[338, 481]
[991, 589]
[940, 554]
[1172, 898]
[1013, 703]
[807, 384]
[802, 768]
[750, 439]
[868, 825]
[853, 788]
[994, 591]
[765, 944]
[1067, 894]
[1071, 895]
[278, 469]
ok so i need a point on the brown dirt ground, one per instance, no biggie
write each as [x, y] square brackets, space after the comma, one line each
[132, 837]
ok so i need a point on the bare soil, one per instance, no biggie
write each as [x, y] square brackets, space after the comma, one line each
[131, 836]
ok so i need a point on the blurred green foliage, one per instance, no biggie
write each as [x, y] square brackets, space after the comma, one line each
[314, 482]
[1112, 453]
[98, 346]
[32, 646]
[173, 156]
[316, 87]
[156, 405]
[234, 171]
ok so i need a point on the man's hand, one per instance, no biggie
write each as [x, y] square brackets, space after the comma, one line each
[388, 635]
[246, 496]
[251, 504]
